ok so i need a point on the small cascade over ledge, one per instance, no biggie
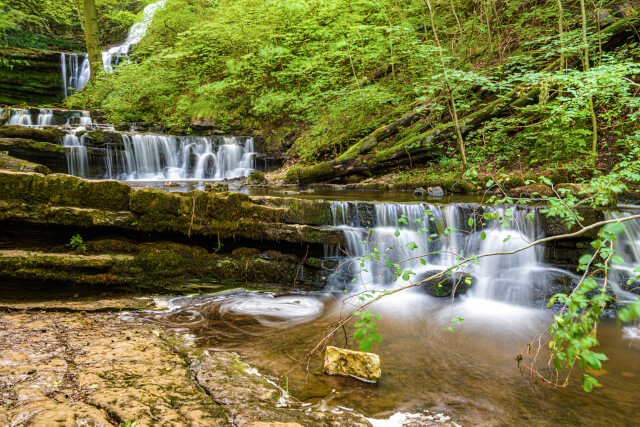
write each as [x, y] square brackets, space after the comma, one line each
[149, 157]
[441, 235]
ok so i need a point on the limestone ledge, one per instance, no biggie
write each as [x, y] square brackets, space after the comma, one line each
[67, 200]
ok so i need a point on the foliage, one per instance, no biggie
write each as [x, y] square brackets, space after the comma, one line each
[326, 74]
[366, 330]
[77, 243]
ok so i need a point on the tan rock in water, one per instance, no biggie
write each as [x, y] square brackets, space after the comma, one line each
[349, 363]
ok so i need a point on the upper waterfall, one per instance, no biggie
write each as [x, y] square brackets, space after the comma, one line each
[113, 56]
[75, 73]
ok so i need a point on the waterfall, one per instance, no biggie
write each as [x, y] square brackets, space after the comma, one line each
[148, 157]
[116, 54]
[77, 158]
[20, 117]
[628, 247]
[75, 73]
[79, 118]
[443, 234]
[45, 117]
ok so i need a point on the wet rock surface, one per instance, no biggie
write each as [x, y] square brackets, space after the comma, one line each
[349, 363]
[96, 369]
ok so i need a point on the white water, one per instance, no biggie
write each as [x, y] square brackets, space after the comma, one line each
[627, 246]
[148, 157]
[75, 73]
[45, 117]
[81, 118]
[506, 278]
[117, 54]
[20, 118]
[77, 158]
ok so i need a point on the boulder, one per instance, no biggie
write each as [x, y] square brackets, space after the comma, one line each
[625, 10]
[257, 177]
[532, 190]
[217, 187]
[349, 363]
[435, 191]
[420, 192]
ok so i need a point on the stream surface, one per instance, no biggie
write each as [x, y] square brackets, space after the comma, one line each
[471, 373]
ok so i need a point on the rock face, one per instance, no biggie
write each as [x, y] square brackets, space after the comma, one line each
[30, 76]
[349, 363]
[68, 200]
[54, 156]
[39, 213]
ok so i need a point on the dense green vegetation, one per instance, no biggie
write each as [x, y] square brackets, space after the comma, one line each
[326, 74]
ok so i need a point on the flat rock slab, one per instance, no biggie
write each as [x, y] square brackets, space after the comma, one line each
[349, 363]
[113, 304]
[96, 369]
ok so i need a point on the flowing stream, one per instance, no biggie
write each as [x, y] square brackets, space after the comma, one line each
[472, 372]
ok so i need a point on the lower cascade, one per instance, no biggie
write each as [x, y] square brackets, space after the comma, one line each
[442, 234]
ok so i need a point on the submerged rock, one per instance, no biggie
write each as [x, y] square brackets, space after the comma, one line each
[446, 286]
[217, 187]
[257, 177]
[349, 363]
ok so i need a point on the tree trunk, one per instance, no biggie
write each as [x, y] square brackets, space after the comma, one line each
[92, 37]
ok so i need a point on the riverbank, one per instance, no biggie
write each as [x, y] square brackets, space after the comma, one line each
[95, 369]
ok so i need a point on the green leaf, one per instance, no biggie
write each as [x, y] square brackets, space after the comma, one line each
[359, 334]
[585, 259]
[483, 235]
[617, 259]
[471, 222]
[613, 228]
[366, 344]
[406, 275]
